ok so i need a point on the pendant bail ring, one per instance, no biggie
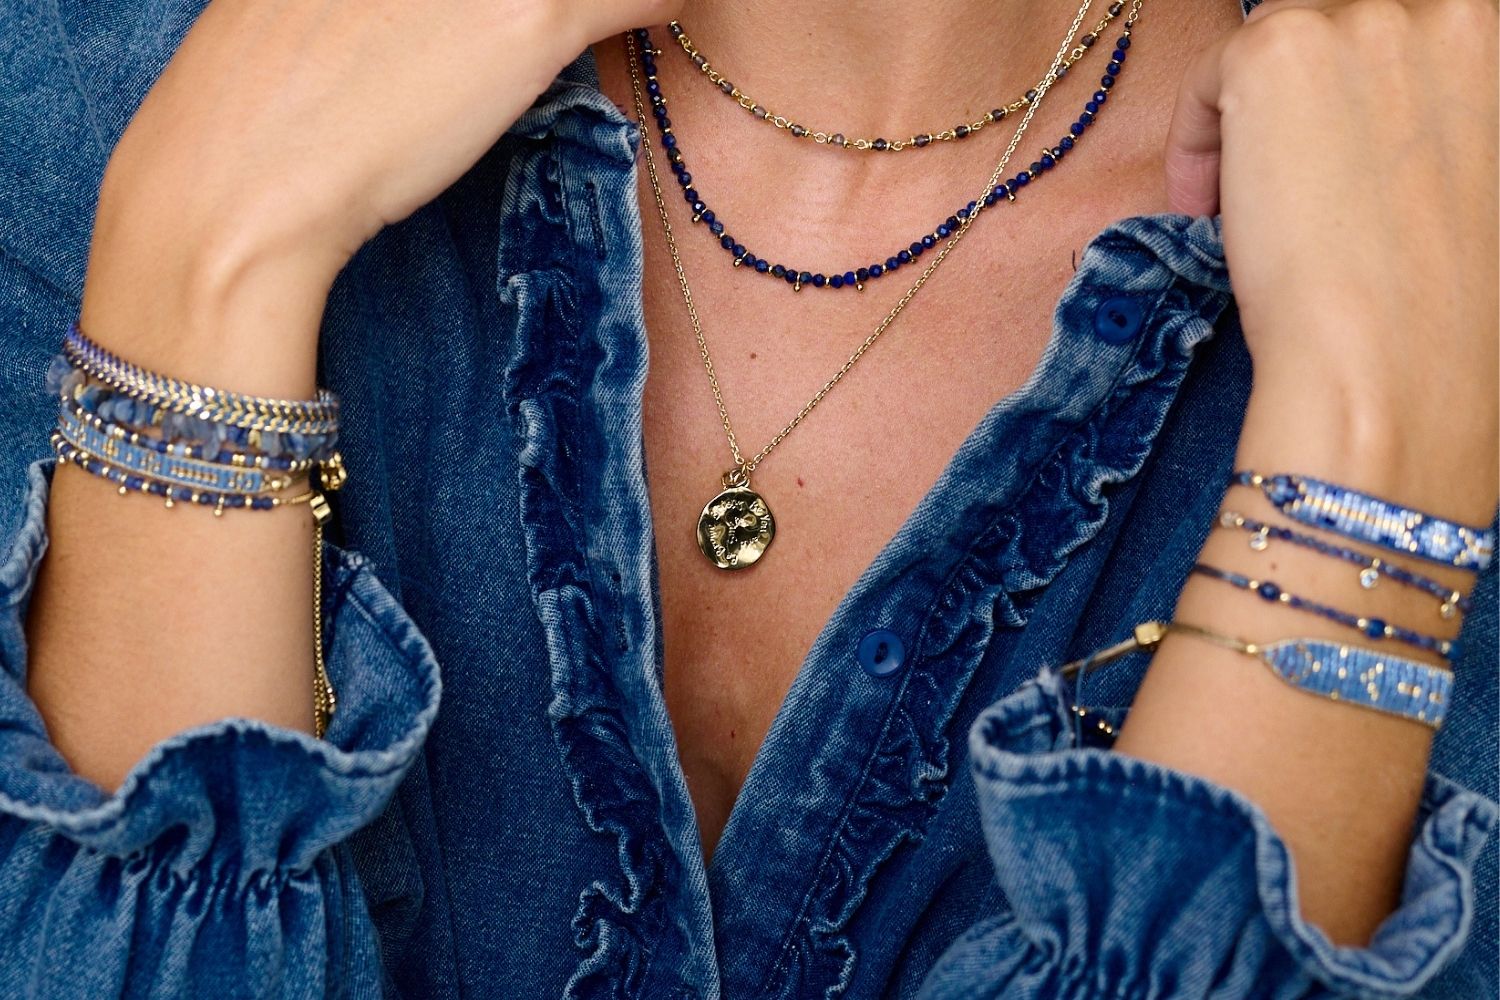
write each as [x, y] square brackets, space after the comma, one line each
[735, 477]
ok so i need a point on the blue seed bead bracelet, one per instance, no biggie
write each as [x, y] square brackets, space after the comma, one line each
[1372, 568]
[114, 444]
[1393, 685]
[314, 416]
[1370, 519]
[1374, 628]
[856, 278]
[130, 481]
[185, 435]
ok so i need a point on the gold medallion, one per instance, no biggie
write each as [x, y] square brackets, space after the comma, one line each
[736, 527]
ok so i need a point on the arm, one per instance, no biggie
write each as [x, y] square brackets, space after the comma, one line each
[1359, 222]
[278, 139]
[1246, 839]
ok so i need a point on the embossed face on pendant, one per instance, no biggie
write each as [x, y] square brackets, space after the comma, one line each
[736, 528]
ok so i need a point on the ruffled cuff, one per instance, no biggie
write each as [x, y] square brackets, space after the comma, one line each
[1127, 879]
[245, 798]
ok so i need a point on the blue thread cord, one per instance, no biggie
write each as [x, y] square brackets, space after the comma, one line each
[1372, 568]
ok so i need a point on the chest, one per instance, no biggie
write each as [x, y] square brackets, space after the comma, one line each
[839, 485]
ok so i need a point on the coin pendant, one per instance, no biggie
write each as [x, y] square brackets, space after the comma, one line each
[736, 528]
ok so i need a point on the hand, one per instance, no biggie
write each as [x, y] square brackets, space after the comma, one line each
[282, 136]
[1351, 148]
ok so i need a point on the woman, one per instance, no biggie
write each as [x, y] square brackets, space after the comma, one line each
[659, 770]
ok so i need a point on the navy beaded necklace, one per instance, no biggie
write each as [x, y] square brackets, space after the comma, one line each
[797, 278]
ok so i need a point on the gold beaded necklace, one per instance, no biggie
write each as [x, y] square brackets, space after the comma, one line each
[736, 525]
[918, 140]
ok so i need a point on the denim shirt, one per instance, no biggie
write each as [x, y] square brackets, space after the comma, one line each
[945, 829]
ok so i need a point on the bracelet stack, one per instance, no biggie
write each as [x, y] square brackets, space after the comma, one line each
[200, 446]
[1368, 675]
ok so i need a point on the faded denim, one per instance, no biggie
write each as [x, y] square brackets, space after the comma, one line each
[936, 832]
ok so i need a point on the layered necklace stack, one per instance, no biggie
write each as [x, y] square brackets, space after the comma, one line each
[736, 525]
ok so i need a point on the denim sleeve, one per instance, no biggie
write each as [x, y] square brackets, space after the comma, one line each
[217, 869]
[1127, 879]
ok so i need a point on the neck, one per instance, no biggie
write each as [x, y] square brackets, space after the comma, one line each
[877, 66]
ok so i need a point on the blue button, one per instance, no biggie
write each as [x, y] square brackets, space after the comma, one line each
[1118, 319]
[881, 652]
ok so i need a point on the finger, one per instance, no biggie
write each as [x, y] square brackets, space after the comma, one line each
[1194, 139]
[1194, 143]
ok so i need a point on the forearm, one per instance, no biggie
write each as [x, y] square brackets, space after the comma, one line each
[148, 620]
[1340, 784]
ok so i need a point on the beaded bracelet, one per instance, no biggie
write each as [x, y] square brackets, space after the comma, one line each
[1407, 689]
[220, 484]
[101, 429]
[317, 416]
[1379, 522]
[1372, 567]
[1374, 628]
[191, 436]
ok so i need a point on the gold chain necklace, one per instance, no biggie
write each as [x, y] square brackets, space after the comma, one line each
[918, 141]
[737, 526]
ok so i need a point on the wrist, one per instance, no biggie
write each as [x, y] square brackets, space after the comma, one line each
[232, 298]
[1426, 451]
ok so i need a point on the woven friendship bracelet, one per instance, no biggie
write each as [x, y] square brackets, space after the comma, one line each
[1393, 685]
[1379, 522]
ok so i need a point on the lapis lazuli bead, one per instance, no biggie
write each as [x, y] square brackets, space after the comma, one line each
[669, 141]
[943, 231]
[1076, 128]
[850, 278]
[738, 249]
[690, 194]
[891, 263]
[1112, 68]
[790, 276]
[698, 209]
[1066, 142]
[863, 274]
[779, 270]
[804, 277]
[727, 242]
[1091, 107]
[876, 270]
[716, 227]
[916, 249]
[1269, 591]
[708, 216]
[1375, 628]
[1022, 179]
[819, 280]
[1100, 96]
[904, 256]
[1047, 161]
[1106, 81]
[1123, 43]
[835, 281]
[762, 266]
[1118, 55]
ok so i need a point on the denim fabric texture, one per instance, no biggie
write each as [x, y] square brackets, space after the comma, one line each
[940, 831]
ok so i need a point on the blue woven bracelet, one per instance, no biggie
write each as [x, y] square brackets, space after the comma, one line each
[1379, 522]
[1407, 689]
[1374, 628]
